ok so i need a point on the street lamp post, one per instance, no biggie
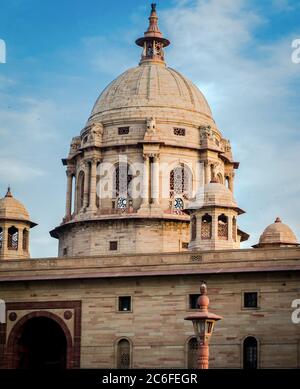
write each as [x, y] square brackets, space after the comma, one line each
[203, 322]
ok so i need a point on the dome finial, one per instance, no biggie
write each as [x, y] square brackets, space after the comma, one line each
[278, 220]
[8, 193]
[153, 42]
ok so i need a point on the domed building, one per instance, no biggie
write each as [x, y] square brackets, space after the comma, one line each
[15, 225]
[148, 147]
[277, 234]
[150, 213]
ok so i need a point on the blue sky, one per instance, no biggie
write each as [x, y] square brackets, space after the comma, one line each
[61, 54]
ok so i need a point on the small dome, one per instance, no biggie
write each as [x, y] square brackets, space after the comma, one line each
[148, 90]
[277, 234]
[12, 209]
[215, 194]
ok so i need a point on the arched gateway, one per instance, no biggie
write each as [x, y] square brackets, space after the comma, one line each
[40, 340]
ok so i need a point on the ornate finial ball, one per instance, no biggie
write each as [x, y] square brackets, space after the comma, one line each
[278, 220]
[203, 300]
[153, 7]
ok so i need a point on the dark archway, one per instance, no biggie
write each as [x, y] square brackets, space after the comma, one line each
[40, 342]
[250, 353]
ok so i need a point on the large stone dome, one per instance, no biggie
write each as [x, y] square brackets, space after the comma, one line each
[150, 88]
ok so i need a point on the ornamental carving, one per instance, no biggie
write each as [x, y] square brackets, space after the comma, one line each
[151, 126]
[75, 144]
[206, 133]
[92, 135]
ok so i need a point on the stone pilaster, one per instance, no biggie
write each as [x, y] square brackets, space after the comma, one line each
[86, 184]
[69, 194]
[155, 180]
[93, 184]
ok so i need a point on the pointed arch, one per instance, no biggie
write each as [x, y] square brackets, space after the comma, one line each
[223, 227]
[13, 238]
[206, 227]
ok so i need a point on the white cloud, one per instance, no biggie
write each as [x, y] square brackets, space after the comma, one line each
[253, 89]
[12, 171]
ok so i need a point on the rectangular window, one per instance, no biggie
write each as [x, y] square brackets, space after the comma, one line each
[123, 130]
[250, 300]
[193, 301]
[124, 303]
[113, 245]
[179, 131]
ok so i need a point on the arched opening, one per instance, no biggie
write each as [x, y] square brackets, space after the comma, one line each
[227, 182]
[223, 227]
[250, 353]
[181, 185]
[39, 343]
[192, 354]
[1, 237]
[193, 227]
[206, 226]
[25, 239]
[121, 184]
[123, 354]
[181, 181]
[234, 229]
[13, 238]
[80, 190]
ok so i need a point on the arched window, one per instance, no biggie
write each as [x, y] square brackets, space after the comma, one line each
[234, 229]
[227, 182]
[181, 181]
[223, 227]
[206, 226]
[123, 354]
[250, 353]
[80, 190]
[25, 239]
[13, 238]
[121, 181]
[1, 237]
[193, 227]
[192, 354]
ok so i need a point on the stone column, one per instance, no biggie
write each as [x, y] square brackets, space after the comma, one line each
[230, 237]
[93, 184]
[155, 180]
[145, 200]
[69, 193]
[206, 172]
[86, 184]
[231, 181]
[214, 232]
